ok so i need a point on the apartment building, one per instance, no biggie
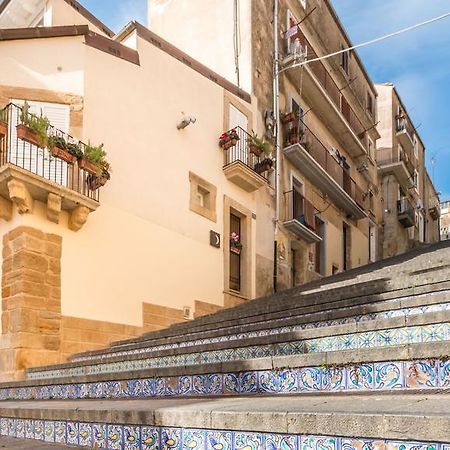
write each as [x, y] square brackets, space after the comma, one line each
[329, 201]
[182, 228]
[410, 201]
[445, 221]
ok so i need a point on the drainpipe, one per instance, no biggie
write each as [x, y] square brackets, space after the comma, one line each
[276, 111]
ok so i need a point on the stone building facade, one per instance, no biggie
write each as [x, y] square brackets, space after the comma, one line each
[445, 221]
[329, 200]
[410, 202]
[84, 266]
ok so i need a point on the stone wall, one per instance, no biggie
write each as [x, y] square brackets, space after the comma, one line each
[31, 299]
[34, 332]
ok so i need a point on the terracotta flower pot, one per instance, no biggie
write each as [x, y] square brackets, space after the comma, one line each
[96, 182]
[235, 250]
[63, 154]
[28, 135]
[288, 118]
[263, 166]
[87, 166]
[227, 145]
[3, 129]
[255, 150]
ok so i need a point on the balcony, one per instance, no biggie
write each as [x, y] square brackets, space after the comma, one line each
[405, 132]
[300, 217]
[324, 97]
[399, 164]
[306, 152]
[244, 168]
[405, 213]
[29, 172]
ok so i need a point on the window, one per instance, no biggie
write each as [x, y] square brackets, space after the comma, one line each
[370, 103]
[371, 148]
[203, 197]
[345, 61]
[416, 180]
[416, 145]
[40, 162]
[235, 256]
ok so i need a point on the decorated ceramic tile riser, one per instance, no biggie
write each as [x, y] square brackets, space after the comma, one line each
[406, 375]
[134, 437]
[353, 341]
[438, 307]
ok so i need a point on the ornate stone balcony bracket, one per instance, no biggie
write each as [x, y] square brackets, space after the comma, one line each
[23, 188]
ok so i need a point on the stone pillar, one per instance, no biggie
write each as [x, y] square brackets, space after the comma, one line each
[31, 301]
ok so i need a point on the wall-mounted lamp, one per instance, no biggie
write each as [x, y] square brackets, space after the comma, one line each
[187, 120]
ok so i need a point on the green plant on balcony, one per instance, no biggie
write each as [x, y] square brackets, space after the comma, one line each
[100, 179]
[33, 129]
[92, 159]
[258, 146]
[75, 150]
[95, 163]
[58, 147]
[263, 166]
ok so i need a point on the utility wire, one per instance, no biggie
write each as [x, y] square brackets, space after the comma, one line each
[372, 41]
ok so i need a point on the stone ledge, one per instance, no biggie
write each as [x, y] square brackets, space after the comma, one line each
[23, 188]
[415, 417]
[433, 350]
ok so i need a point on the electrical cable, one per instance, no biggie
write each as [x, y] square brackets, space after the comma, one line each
[372, 41]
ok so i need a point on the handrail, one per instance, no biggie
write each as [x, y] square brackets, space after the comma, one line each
[32, 156]
[335, 165]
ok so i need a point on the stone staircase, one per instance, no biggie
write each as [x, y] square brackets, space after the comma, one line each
[359, 360]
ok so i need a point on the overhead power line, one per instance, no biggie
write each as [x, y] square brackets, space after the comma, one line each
[372, 41]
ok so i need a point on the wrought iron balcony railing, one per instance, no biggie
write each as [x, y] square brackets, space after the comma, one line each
[241, 152]
[335, 166]
[33, 157]
[300, 209]
[330, 86]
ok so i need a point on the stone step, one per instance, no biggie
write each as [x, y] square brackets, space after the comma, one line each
[409, 368]
[384, 306]
[7, 443]
[428, 327]
[283, 303]
[249, 422]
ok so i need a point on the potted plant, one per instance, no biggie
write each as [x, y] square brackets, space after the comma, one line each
[263, 165]
[33, 129]
[99, 180]
[258, 146]
[295, 135]
[92, 159]
[57, 147]
[229, 139]
[289, 117]
[235, 244]
[3, 123]
[75, 150]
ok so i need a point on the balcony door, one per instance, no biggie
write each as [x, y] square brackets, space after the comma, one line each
[237, 118]
[38, 160]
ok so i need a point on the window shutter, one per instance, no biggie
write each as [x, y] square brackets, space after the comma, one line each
[39, 161]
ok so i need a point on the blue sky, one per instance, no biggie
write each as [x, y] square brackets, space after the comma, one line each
[418, 63]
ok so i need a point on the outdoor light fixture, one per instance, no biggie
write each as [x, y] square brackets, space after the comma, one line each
[185, 122]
